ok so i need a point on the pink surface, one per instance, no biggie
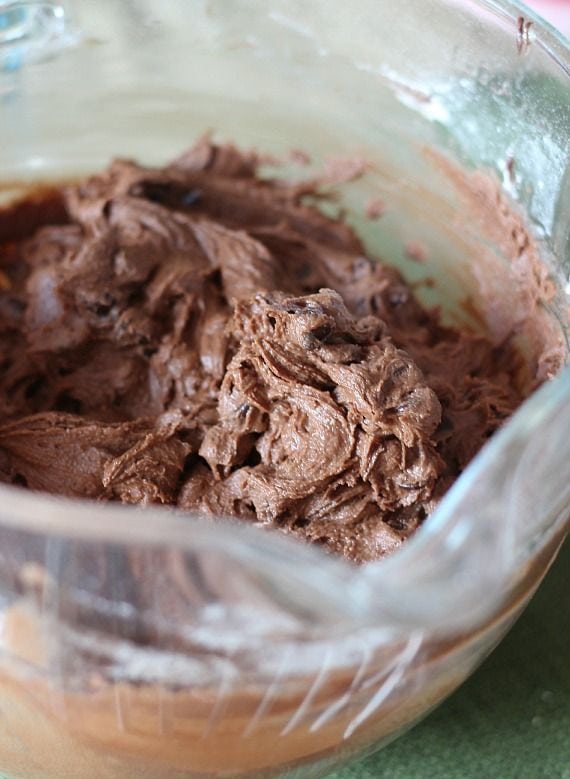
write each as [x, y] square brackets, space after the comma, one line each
[556, 11]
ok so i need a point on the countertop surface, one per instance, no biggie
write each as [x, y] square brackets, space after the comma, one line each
[511, 719]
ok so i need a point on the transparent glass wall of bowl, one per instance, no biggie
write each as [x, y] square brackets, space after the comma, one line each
[132, 649]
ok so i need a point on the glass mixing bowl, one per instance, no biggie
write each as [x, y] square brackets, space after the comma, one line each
[259, 656]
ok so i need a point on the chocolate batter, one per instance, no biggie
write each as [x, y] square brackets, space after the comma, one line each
[198, 337]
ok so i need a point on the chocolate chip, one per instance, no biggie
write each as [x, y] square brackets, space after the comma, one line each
[103, 306]
[309, 342]
[34, 387]
[301, 522]
[166, 194]
[68, 404]
[253, 459]
[101, 310]
[154, 191]
[399, 371]
[191, 197]
[446, 425]
[294, 308]
[323, 332]
[314, 309]
[242, 410]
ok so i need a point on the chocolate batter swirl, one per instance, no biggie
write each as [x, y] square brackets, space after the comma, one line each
[196, 336]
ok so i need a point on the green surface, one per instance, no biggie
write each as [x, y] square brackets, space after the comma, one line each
[511, 720]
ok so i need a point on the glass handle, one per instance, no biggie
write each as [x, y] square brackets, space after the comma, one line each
[31, 31]
[512, 504]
